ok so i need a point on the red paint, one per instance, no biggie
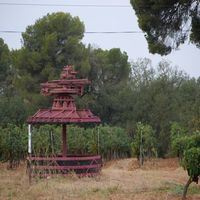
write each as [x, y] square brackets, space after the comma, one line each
[69, 167]
[78, 157]
[66, 175]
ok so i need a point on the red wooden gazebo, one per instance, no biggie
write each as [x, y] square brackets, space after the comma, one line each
[63, 112]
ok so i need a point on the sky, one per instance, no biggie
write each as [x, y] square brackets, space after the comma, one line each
[96, 19]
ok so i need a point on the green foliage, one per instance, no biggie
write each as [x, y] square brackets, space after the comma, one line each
[109, 73]
[12, 110]
[194, 37]
[77, 140]
[121, 93]
[5, 67]
[114, 142]
[191, 162]
[184, 142]
[177, 140]
[13, 145]
[109, 142]
[188, 148]
[155, 98]
[176, 131]
[165, 23]
[144, 143]
[4, 59]
[46, 140]
[48, 45]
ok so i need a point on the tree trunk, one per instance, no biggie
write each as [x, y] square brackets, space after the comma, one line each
[141, 158]
[186, 188]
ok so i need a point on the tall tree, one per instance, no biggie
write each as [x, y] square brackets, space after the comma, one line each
[110, 72]
[189, 97]
[156, 100]
[51, 43]
[167, 24]
[12, 111]
[5, 67]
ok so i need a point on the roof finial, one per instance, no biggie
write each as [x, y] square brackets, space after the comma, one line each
[68, 73]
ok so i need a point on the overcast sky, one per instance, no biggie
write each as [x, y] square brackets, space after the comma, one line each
[17, 18]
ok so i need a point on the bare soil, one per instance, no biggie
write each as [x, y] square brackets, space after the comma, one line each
[158, 179]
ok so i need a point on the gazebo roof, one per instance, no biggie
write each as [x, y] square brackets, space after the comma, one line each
[64, 110]
[49, 116]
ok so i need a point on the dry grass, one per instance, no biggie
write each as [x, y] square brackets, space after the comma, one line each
[119, 180]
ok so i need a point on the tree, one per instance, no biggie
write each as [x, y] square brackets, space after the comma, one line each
[109, 73]
[144, 144]
[177, 145]
[51, 43]
[13, 144]
[188, 147]
[167, 24]
[155, 98]
[142, 72]
[191, 163]
[12, 111]
[5, 67]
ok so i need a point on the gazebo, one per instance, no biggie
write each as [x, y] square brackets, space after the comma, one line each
[63, 112]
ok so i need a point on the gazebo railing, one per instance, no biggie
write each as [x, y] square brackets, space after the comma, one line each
[79, 165]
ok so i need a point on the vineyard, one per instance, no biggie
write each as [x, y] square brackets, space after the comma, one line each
[110, 142]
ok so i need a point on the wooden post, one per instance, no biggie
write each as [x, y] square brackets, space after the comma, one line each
[141, 149]
[64, 139]
[29, 139]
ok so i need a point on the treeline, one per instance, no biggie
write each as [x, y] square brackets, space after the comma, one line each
[122, 93]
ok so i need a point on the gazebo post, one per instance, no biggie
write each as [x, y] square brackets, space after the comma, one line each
[29, 139]
[29, 169]
[64, 140]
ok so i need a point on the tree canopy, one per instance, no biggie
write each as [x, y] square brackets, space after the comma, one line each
[167, 24]
[5, 65]
[51, 43]
[188, 148]
[110, 71]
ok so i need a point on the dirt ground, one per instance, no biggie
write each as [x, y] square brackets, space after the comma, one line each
[158, 179]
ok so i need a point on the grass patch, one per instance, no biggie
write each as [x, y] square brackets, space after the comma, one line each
[113, 189]
[114, 183]
[194, 189]
[106, 192]
[177, 189]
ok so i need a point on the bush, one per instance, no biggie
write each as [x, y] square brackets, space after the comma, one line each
[188, 149]
[13, 145]
[191, 162]
[182, 143]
